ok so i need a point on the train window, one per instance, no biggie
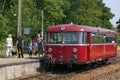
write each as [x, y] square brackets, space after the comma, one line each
[103, 38]
[55, 37]
[110, 38]
[97, 38]
[94, 38]
[82, 37]
[70, 37]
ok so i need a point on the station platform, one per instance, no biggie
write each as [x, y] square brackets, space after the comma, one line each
[10, 61]
[11, 68]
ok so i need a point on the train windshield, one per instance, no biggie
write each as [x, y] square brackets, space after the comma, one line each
[54, 37]
[70, 37]
[66, 37]
[74, 37]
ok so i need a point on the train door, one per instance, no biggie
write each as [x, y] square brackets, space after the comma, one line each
[83, 47]
[96, 46]
[88, 40]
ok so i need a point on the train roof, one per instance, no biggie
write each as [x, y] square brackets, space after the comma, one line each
[72, 27]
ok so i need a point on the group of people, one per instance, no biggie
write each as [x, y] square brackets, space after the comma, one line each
[20, 45]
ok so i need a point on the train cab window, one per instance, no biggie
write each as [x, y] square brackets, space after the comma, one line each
[70, 37]
[54, 37]
[74, 37]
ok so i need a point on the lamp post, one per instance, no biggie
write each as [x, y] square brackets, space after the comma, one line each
[19, 26]
[42, 23]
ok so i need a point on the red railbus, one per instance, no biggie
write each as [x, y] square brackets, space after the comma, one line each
[78, 44]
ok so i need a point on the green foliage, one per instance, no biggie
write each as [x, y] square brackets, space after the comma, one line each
[118, 26]
[2, 44]
[118, 30]
[84, 12]
[4, 28]
[88, 12]
[2, 56]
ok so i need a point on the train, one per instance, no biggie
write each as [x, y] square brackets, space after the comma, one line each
[78, 44]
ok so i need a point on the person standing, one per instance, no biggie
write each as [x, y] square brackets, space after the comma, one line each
[19, 44]
[9, 43]
[39, 44]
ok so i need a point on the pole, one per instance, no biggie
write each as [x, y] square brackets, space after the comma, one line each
[19, 27]
[42, 23]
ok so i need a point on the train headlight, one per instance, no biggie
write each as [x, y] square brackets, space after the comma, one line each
[49, 49]
[74, 50]
[62, 28]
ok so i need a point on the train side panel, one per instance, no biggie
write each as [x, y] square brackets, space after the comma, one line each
[96, 52]
[102, 51]
[110, 50]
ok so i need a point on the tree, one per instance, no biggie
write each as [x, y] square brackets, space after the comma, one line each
[53, 13]
[88, 12]
[3, 27]
[118, 26]
[118, 30]
[83, 12]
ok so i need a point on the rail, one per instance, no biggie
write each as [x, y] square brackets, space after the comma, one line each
[112, 75]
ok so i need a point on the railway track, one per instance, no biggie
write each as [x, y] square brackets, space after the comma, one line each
[97, 72]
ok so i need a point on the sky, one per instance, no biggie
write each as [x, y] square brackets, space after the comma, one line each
[115, 9]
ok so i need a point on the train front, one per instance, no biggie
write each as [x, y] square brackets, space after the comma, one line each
[63, 45]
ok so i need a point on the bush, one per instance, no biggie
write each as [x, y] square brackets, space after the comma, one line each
[2, 55]
[2, 45]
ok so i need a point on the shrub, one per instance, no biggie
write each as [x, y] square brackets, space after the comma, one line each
[2, 55]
